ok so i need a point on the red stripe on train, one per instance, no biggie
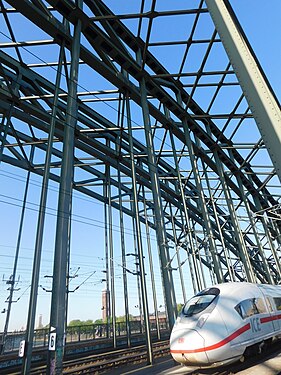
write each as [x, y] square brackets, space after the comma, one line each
[270, 318]
[221, 343]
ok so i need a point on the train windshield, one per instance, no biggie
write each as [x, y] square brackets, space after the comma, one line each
[200, 302]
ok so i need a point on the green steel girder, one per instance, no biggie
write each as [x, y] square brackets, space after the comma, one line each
[38, 113]
[34, 82]
[55, 29]
[101, 156]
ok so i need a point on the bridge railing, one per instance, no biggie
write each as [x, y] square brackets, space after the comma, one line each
[78, 333]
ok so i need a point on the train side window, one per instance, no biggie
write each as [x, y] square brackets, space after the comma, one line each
[240, 310]
[244, 309]
[250, 307]
[269, 304]
[260, 305]
[277, 301]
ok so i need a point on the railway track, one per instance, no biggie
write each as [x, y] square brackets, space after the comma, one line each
[115, 359]
[10, 363]
[106, 361]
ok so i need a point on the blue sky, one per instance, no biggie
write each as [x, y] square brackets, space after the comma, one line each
[261, 23]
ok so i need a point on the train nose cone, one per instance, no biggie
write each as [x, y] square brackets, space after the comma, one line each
[187, 346]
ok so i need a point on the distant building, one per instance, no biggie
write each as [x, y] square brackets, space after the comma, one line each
[105, 304]
[40, 322]
[162, 320]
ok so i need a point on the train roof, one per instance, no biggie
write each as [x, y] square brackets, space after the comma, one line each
[234, 287]
[243, 288]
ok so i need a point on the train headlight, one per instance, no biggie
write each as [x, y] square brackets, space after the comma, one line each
[202, 320]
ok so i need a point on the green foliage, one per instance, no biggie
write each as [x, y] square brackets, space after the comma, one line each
[78, 322]
[89, 321]
[99, 321]
[179, 307]
[75, 323]
[122, 319]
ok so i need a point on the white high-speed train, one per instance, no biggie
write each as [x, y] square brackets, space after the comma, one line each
[218, 325]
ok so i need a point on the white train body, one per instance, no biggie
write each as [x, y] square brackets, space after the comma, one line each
[217, 325]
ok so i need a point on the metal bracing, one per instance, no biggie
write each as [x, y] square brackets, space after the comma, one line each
[124, 265]
[12, 280]
[111, 258]
[107, 279]
[230, 271]
[158, 210]
[234, 222]
[202, 203]
[186, 221]
[163, 147]
[139, 248]
[153, 285]
[40, 228]
[263, 261]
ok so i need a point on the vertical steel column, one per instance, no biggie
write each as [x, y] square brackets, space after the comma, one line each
[250, 215]
[158, 210]
[111, 259]
[189, 257]
[268, 235]
[203, 280]
[139, 241]
[40, 226]
[188, 230]
[237, 230]
[274, 253]
[277, 230]
[123, 253]
[224, 247]
[58, 304]
[138, 280]
[12, 281]
[154, 295]
[124, 272]
[182, 281]
[201, 199]
[140, 258]
[253, 82]
[275, 256]
[232, 212]
[4, 129]
[107, 307]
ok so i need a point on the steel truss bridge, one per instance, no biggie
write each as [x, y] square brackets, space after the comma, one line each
[146, 109]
